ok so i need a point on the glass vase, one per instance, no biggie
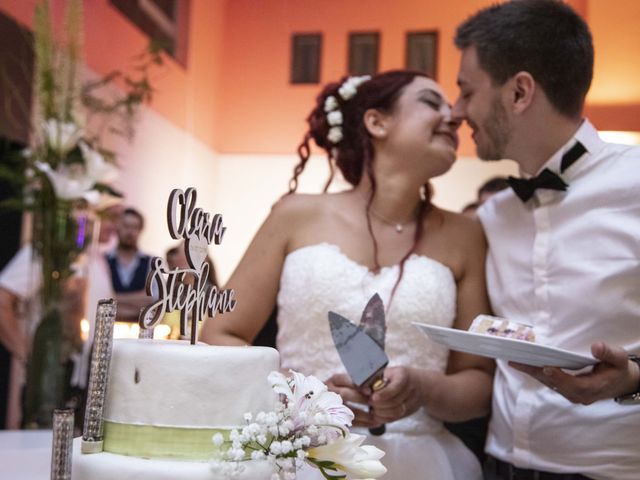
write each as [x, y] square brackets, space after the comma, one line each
[57, 242]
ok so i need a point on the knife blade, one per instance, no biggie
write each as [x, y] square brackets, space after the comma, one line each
[361, 355]
[361, 348]
[373, 320]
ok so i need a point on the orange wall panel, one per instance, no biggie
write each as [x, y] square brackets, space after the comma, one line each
[617, 39]
[262, 111]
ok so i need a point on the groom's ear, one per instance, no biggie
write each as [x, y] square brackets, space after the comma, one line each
[522, 91]
[376, 123]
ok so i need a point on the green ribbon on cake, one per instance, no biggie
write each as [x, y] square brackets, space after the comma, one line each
[149, 441]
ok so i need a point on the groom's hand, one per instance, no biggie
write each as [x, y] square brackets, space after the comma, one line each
[353, 398]
[614, 376]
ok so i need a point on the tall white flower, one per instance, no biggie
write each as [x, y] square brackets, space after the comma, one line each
[97, 167]
[61, 137]
[347, 455]
[69, 182]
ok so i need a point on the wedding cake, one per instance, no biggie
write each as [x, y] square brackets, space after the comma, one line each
[166, 399]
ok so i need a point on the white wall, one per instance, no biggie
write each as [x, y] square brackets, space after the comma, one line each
[247, 187]
[161, 158]
[458, 187]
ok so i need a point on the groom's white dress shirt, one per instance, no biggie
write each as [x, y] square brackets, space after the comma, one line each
[568, 263]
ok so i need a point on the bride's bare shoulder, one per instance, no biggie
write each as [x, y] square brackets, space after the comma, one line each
[306, 206]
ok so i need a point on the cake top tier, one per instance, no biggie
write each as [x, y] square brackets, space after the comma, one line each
[172, 383]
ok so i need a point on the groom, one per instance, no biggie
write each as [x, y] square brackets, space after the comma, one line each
[564, 244]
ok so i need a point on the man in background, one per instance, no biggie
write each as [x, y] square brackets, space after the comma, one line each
[129, 267]
[485, 192]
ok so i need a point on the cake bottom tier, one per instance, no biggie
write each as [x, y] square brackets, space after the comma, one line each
[109, 466]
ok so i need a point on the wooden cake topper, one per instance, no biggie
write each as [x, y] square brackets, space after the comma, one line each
[197, 228]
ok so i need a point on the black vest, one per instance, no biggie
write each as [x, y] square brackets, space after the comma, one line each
[139, 279]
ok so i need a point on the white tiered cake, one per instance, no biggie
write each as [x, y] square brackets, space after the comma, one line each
[165, 401]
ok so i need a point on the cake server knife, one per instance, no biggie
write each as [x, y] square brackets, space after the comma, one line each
[361, 348]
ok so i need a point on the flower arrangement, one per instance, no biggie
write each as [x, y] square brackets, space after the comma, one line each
[310, 424]
[346, 91]
[66, 181]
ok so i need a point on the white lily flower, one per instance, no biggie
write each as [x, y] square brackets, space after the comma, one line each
[69, 181]
[61, 137]
[310, 397]
[98, 168]
[280, 385]
[101, 200]
[348, 456]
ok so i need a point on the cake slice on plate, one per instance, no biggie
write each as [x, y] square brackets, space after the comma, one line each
[501, 327]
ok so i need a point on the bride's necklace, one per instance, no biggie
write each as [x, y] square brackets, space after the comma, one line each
[398, 226]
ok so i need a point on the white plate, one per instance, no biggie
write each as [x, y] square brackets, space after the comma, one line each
[510, 349]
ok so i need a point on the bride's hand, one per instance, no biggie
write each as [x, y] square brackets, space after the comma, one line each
[353, 398]
[402, 396]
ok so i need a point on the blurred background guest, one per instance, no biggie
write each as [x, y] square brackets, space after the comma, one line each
[129, 267]
[485, 192]
[491, 187]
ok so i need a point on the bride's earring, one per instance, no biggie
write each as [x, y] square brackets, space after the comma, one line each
[423, 193]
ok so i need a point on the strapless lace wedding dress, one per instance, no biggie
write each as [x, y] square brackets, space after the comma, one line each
[319, 278]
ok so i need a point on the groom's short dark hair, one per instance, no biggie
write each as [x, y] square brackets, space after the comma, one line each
[546, 38]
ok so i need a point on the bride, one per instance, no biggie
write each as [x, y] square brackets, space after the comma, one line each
[389, 135]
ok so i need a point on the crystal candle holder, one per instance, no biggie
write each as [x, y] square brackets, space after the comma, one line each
[62, 444]
[92, 435]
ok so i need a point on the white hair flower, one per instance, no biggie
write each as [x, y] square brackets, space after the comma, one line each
[350, 86]
[330, 103]
[334, 118]
[335, 134]
[347, 90]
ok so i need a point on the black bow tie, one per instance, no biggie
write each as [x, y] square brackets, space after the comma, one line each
[524, 188]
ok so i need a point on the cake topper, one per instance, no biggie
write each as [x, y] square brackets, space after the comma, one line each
[197, 228]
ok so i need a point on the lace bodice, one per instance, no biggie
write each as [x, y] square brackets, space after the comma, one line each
[319, 278]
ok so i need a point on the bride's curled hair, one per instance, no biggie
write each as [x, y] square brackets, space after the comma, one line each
[353, 153]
